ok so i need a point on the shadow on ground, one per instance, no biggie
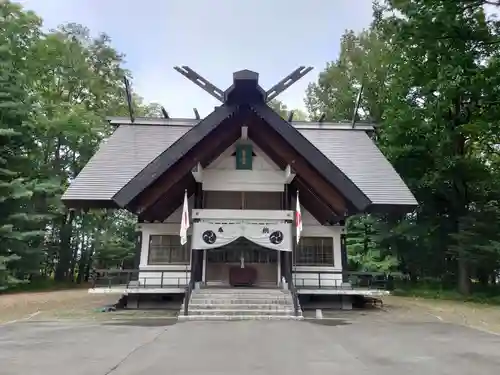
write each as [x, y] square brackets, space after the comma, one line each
[328, 322]
[138, 322]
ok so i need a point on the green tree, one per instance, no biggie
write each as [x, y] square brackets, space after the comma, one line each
[18, 223]
[282, 109]
[364, 60]
[442, 103]
[56, 89]
[364, 246]
[429, 69]
[78, 80]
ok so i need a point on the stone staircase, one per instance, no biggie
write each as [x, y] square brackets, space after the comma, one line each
[240, 304]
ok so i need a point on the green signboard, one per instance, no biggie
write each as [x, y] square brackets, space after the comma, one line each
[244, 157]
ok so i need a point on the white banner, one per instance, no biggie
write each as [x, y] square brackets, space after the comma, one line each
[212, 235]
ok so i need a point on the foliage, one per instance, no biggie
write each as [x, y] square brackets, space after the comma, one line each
[55, 90]
[430, 76]
[429, 69]
[19, 225]
[282, 109]
[364, 252]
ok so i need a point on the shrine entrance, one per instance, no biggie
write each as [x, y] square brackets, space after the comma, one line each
[242, 263]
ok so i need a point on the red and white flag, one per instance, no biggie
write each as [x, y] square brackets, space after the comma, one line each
[185, 220]
[298, 219]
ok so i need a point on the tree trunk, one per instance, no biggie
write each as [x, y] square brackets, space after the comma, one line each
[483, 277]
[493, 278]
[65, 251]
[84, 255]
[460, 201]
[90, 259]
[463, 274]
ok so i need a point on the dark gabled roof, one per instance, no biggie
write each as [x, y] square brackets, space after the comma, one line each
[176, 151]
[172, 154]
[131, 148]
[315, 157]
[134, 157]
[244, 94]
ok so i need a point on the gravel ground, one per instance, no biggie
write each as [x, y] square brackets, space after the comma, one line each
[352, 344]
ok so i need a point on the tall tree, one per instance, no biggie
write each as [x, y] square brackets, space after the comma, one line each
[364, 60]
[55, 90]
[429, 71]
[282, 109]
[442, 100]
[18, 223]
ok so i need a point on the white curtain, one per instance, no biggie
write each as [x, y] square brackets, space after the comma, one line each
[208, 235]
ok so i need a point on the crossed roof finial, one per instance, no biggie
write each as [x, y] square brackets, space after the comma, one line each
[222, 96]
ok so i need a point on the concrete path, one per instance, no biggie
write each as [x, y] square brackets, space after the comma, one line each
[248, 347]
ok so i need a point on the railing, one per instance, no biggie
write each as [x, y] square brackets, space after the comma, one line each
[342, 280]
[178, 278]
[295, 296]
[187, 297]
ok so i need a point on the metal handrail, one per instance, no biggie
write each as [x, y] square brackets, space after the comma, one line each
[293, 292]
[126, 278]
[187, 296]
[295, 298]
[376, 280]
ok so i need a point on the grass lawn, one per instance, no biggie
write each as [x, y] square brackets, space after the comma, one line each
[477, 315]
[74, 304]
[49, 305]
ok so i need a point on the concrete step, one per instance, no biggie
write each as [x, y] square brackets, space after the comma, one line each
[240, 298]
[249, 290]
[239, 306]
[270, 304]
[237, 317]
[230, 296]
[254, 301]
[239, 295]
[239, 291]
[240, 312]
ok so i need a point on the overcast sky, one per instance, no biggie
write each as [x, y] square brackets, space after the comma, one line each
[215, 38]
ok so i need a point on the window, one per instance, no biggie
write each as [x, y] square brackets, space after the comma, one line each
[263, 200]
[243, 200]
[167, 249]
[224, 200]
[314, 251]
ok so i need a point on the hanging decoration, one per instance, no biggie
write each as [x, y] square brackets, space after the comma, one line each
[207, 235]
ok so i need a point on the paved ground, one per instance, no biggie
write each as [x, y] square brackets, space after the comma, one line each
[357, 343]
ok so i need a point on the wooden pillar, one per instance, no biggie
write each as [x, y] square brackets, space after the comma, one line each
[138, 250]
[343, 255]
[287, 256]
[197, 255]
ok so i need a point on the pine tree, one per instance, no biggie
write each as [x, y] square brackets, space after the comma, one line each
[15, 142]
